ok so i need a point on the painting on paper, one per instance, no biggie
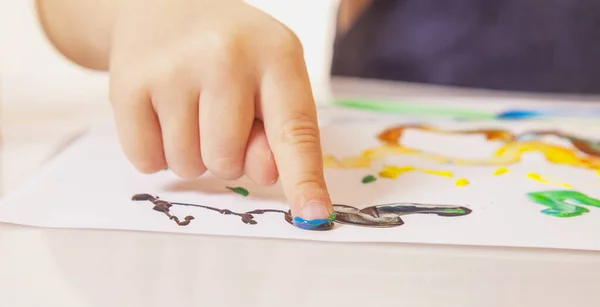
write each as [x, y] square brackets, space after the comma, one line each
[500, 183]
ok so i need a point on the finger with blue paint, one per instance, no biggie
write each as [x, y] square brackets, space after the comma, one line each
[290, 119]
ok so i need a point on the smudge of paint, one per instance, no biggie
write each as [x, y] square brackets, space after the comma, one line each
[598, 172]
[456, 211]
[500, 171]
[558, 112]
[518, 114]
[239, 190]
[563, 203]
[413, 109]
[585, 154]
[313, 224]
[368, 179]
[538, 178]
[388, 215]
[164, 207]
[392, 172]
[438, 173]
[461, 182]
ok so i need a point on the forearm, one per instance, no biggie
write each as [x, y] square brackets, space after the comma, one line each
[80, 29]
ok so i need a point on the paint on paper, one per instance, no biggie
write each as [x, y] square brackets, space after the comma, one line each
[392, 171]
[500, 171]
[545, 113]
[461, 182]
[381, 216]
[463, 113]
[585, 155]
[239, 190]
[369, 179]
[540, 179]
[164, 207]
[314, 224]
[414, 109]
[564, 203]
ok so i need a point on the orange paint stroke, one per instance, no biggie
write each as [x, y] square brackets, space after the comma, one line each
[586, 155]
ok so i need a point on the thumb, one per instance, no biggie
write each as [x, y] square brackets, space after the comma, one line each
[290, 120]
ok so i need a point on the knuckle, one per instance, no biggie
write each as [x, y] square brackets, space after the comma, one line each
[300, 130]
[290, 41]
[166, 75]
[227, 51]
[226, 167]
[288, 47]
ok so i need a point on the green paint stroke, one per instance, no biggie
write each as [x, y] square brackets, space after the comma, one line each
[239, 190]
[368, 179]
[412, 109]
[564, 203]
[457, 211]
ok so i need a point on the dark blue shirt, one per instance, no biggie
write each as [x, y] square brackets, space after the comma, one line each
[521, 45]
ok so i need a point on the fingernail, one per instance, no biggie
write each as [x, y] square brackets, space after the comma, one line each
[315, 215]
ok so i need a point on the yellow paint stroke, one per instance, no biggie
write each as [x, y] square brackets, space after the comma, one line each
[392, 171]
[500, 171]
[538, 178]
[438, 173]
[461, 182]
[586, 155]
[598, 172]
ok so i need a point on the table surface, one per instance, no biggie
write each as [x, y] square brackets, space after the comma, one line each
[55, 267]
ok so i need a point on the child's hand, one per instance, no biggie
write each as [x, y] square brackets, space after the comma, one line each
[217, 85]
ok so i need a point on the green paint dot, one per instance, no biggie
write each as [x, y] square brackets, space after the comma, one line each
[368, 179]
[239, 190]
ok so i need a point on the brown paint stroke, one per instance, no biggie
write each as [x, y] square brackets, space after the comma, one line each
[381, 216]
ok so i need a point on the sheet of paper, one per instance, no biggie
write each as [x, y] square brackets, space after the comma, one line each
[475, 184]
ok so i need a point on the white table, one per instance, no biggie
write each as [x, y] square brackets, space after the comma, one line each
[52, 267]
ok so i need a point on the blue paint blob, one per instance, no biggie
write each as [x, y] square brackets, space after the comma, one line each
[518, 114]
[312, 224]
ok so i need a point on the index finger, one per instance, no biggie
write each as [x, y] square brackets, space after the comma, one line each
[290, 119]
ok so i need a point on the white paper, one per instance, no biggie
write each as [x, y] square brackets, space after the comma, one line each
[90, 185]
